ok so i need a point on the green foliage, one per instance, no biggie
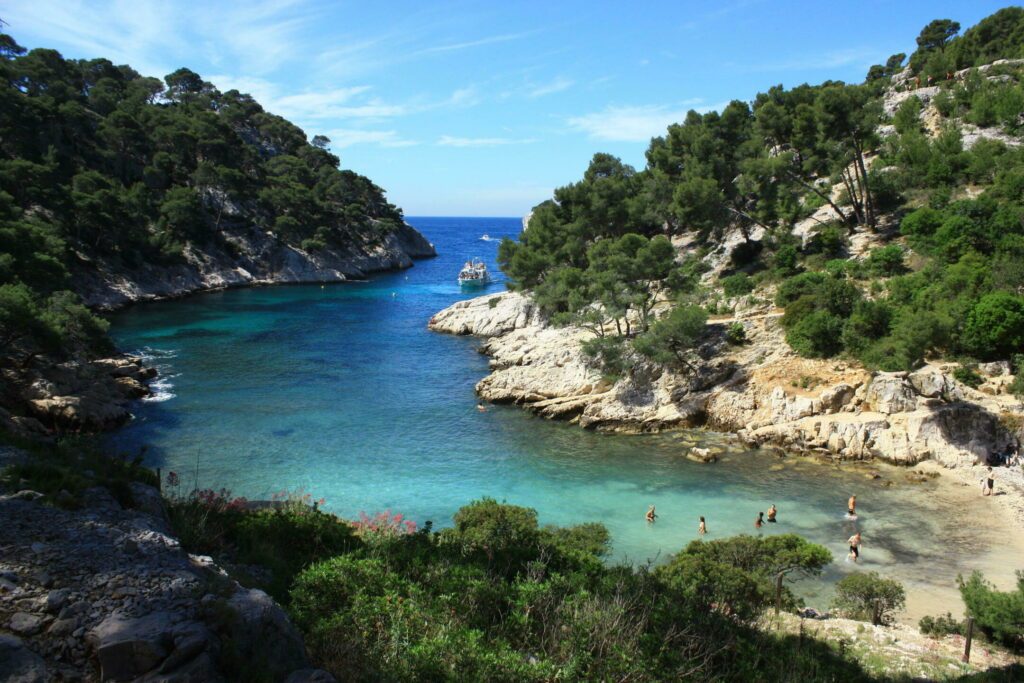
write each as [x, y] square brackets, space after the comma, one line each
[867, 595]
[736, 334]
[995, 326]
[441, 606]
[942, 625]
[968, 375]
[284, 540]
[816, 335]
[1000, 615]
[609, 352]
[673, 339]
[737, 285]
[73, 466]
[886, 261]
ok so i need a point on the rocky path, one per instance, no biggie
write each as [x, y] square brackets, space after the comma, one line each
[106, 593]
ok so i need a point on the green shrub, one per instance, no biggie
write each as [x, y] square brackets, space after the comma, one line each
[942, 625]
[817, 335]
[995, 326]
[866, 595]
[798, 286]
[886, 261]
[868, 322]
[610, 353]
[736, 334]
[1000, 615]
[737, 285]
[968, 375]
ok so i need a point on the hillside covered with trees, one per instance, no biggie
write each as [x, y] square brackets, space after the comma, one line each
[885, 217]
[109, 178]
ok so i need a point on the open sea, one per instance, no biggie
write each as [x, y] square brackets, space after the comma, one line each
[342, 392]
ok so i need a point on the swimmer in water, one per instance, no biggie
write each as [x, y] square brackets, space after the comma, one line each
[481, 407]
[759, 522]
[771, 513]
[854, 542]
[703, 528]
[651, 516]
[851, 506]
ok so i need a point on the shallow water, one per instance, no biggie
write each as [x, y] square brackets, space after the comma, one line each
[342, 392]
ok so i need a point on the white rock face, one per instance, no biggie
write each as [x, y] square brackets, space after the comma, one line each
[752, 390]
[254, 258]
[487, 316]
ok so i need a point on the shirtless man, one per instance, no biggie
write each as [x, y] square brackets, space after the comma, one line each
[650, 514]
[989, 484]
[854, 542]
[759, 521]
[772, 512]
[851, 506]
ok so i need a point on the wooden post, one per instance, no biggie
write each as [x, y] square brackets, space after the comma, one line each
[967, 642]
[159, 481]
[778, 593]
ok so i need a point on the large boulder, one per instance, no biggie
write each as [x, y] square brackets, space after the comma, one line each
[890, 392]
[932, 383]
[261, 632]
[127, 648]
[18, 664]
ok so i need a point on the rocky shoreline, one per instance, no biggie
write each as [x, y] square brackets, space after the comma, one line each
[44, 397]
[247, 257]
[106, 592]
[761, 391]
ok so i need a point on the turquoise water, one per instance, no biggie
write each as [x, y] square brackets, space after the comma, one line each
[342, 392]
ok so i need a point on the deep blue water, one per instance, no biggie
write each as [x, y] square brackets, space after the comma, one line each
[342, 391]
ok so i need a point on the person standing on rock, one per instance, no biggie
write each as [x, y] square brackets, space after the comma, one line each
[651, 516]
[703, 528]
[854, 542]
[989, 483]
[851, 506]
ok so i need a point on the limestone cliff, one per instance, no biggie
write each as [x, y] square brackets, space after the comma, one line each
[246, 256]
[761, 390]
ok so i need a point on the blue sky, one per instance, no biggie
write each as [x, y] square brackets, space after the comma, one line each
[482, 108]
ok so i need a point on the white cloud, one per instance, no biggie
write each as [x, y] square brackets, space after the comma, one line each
[453, 141]
[557, 85]
[490, 40]
[633, 123]
[863, 56]
[347, 137]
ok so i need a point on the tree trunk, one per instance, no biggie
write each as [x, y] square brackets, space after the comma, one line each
[828, 199]
[869, 203]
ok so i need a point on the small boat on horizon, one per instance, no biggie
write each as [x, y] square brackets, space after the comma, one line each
[474, 274]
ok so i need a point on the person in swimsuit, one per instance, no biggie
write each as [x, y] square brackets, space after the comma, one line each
[990, 483]
[650, 514]
[851, 506]
[703, 528]
[854, 542]
[772, 512]
[759, 522]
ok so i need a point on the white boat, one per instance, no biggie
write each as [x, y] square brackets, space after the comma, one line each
[485, 237]
[474, 274]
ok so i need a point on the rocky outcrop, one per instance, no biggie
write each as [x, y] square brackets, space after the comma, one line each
[245, 256]
[106, 593]
[42, 397]
[760, 390]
